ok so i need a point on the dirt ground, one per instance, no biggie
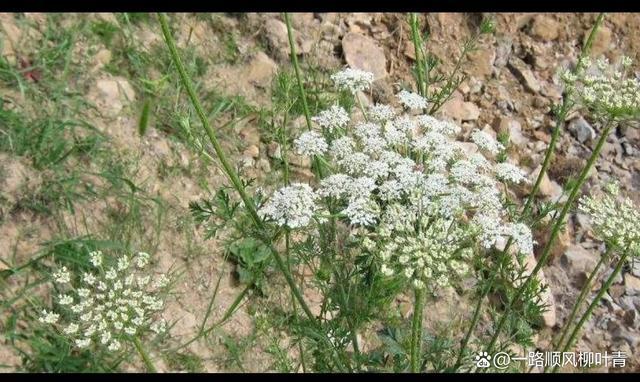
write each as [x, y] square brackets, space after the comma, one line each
[512, 84]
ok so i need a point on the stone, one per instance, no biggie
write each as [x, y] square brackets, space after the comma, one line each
[364, 53]
[503, 52]
[277, 37]
[252, 151]
[11, 36]
[299, 160]
[514, 128]
[102, 58]
[522, 72]
[274, 151]
[631, 285]
[550, 189]
[460, 110]
[260, 70]
[581, 129]
[250, 135]
[544, 28]
[481, 62]
[112, 94]
[635, 268]
[578, 260]
[549, 317]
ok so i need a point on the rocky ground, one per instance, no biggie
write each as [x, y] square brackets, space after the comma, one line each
[511, 86]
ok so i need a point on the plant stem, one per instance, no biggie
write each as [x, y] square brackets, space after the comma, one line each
[416, 330]
[560, 117]
[558, 225]
[233, 176]
[594, 303]
[248, 202]
[144, 355]
[583, 293]
[303, 96]
[420, 64]
[296, 67]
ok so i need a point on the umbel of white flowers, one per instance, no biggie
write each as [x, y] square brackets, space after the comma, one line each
[110, 305]
[420, 196]
[614, 219]
[610, 91]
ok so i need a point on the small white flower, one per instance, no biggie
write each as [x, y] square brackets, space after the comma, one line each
[71, 329]
[159, 326]
[123, 263]
[380, 113]
[65, 299]
[89, 278]
[293, 206]
[114, 346]
[333, 118]
[142, 259]
[49, 317]
[62, 276]
[412, 100]
[83, 343]
[83, 292]
[352, 80]
[111, 274]
[311, 143]
[509, 173]
[130, 331]
[486, 142]
[95, 258]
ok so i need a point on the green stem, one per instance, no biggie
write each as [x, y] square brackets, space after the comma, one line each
[303, 96]
[560, 117]
[233, 176]
[416, 331]
[417, 44]
[594, 303]
[583, 294]
[144, 355]
[296, 67]
[558, 225]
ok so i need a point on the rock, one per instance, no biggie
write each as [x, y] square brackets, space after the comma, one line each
[260, 70]
[544, 28]
[514, 128]
[481, 62]
[274, 151]
[503, 52]
[601, 41]
[631, 285]
[578, 261]
[112, 94]
[364, 53]
[581, 129]
[460, 110]
[522, 72]
[635, 268]
[275, 32]
[299, 160]
[102, 58]
[549, 317]
[250, 135]
[550, 189]
[11, 37]
[252, 152]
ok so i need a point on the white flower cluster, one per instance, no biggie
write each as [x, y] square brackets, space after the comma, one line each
[311, 143]
[333, 118]
[352, 80]
[615, 220]
[406, 182]
[412, 100]
[609, 90]
[291, 206]
[110, 304]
